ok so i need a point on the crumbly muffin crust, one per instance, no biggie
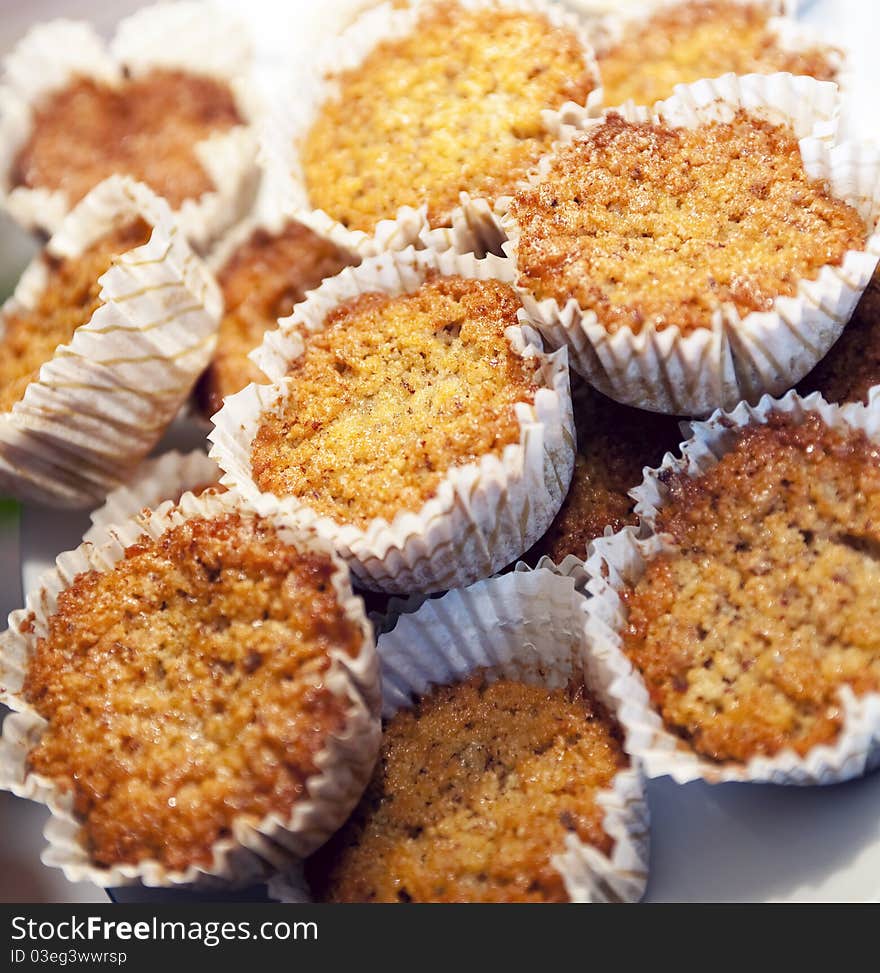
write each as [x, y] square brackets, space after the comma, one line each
[71, 296]
[767, 605]
[852, 367]
[183, 688]
[146, 128]
[475, 791]
[261, 282]
[393, 393]
[698, 39]
[455, 106]
[615, 443]
[650, 225]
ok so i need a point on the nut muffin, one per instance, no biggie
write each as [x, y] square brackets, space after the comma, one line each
[475, 791]
[852, 368]
[453, 105]
[261, 280]
[653, 227]
[71, 295]
[392, 393]
[764, 607]
[615, 444]
[683, 42]
[146, 127]
[192, 691]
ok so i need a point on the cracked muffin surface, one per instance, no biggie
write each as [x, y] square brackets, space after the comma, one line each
[684, 42]
[145, 127]
[453, 106]
[394, 392]
[765, 605]
[476, 789]
[655, 227]
[183, 688]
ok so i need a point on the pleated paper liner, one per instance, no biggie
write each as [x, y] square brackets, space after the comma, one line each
[167, 477]
[101, 403]
[189, 36]
[531, 627]
[737, 357]
[255, 849]
[290, 119]
[620, 561]
[484, 514]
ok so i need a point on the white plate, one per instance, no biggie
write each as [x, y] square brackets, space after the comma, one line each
[735, 842]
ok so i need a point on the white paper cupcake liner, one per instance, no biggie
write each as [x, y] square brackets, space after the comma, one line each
[737, 357]
[156, 480]
[101, 403]
[620, 561]
[290, 119]
[254, 850]
[484, 514]
[194, 36]
[529, 627]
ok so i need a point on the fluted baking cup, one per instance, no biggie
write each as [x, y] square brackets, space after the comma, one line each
[167, 477]
[619, 561]
[290, 119]
[100, 403]
[190, 36]
[737, 357]
[255, 849]
[527, 627]
[483, 514]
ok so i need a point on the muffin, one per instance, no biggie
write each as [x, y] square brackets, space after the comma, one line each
[203, 696]
[262, 276]
[852, 368]
[750, 611]
[680, 43]
[470, 759]
[692, 258]
[107, 331]
[419, 102]
[491, 772]
[165, 103]
[412, 422]
[615, 444]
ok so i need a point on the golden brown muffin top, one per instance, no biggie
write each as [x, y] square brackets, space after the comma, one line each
[615, 443]
[684, 42]
[453, 106]
[654, 226]
[393, 393]
[261, 282]
[145, 127]
[767, 605]
[30, 336]
[852, 367]
[475, 791]
[183, 688]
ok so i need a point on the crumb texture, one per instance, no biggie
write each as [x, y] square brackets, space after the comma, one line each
[615, 443]
[455, 106]
[652, 226]
[145, 127]
[394, 392]
[852, 367]
[30, 336]
[767, 605]
[183, 688]
[688, 41]
[475, 792]
[261, 282]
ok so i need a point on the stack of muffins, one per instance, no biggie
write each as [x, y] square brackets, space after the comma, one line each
[502, 262]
